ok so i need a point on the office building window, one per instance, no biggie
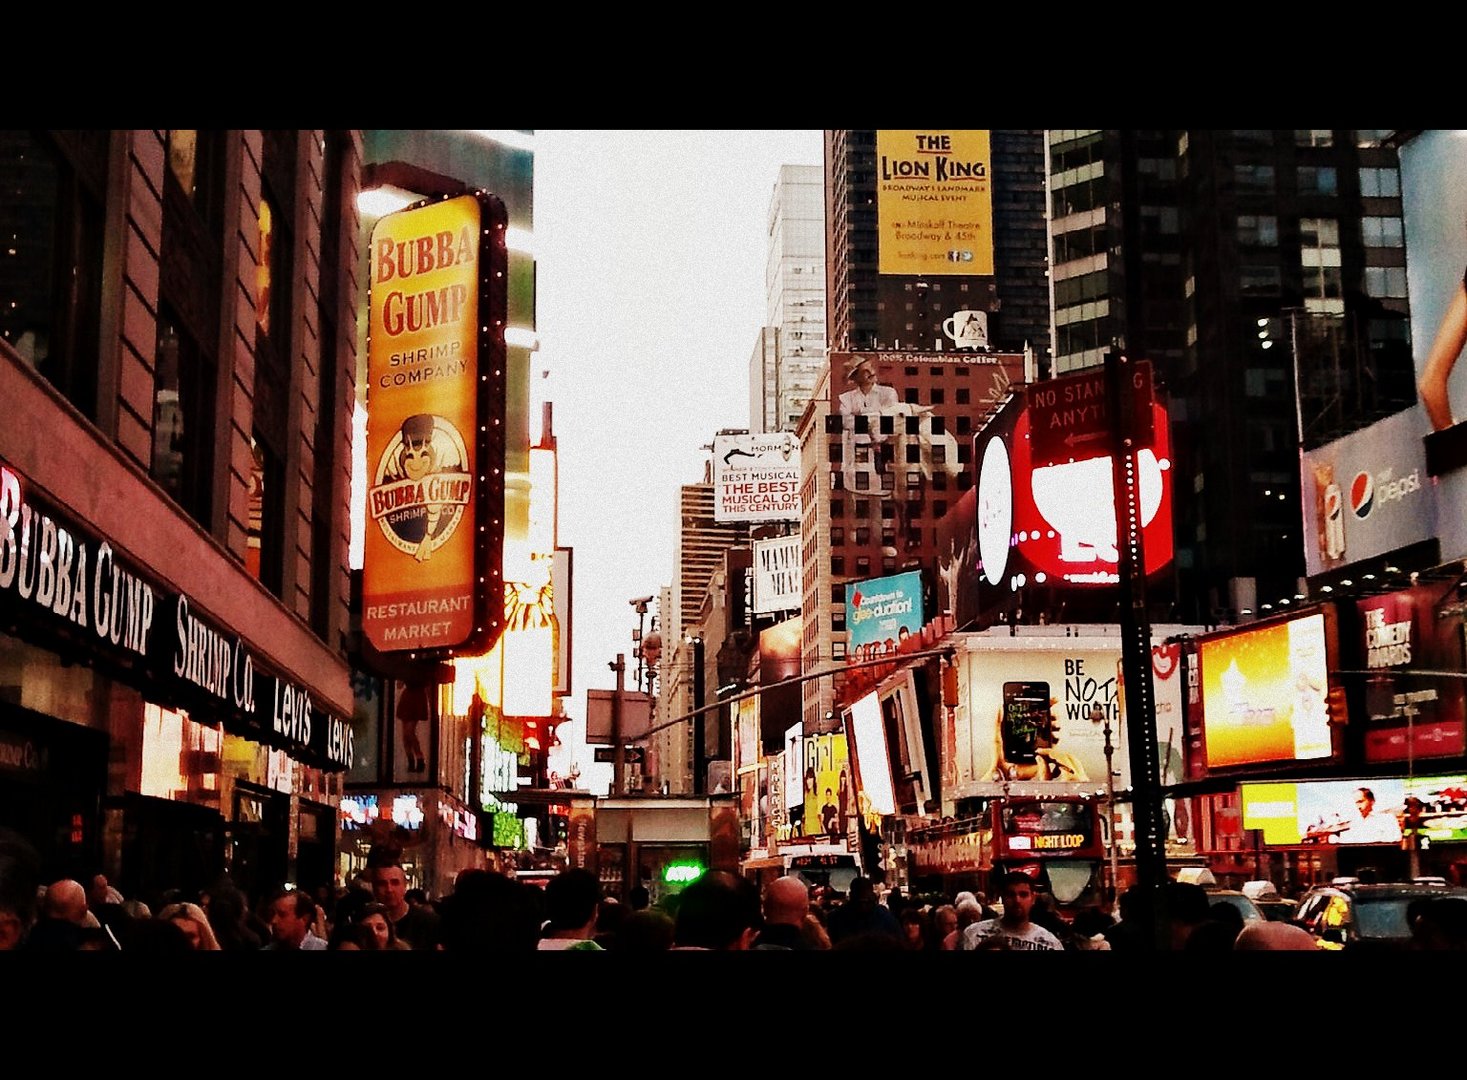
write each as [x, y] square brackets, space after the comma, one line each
[1378, 183]
[1313, 137]
[1382, 232]
[1317, 180]
[53, 200]
[1259, 280]
[183, 417]
[1258, 230]
[1254, 179]
[190, 290]
[1319, 256]
[1386, 282]
[274, 270]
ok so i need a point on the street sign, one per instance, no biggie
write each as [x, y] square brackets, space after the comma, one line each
[632, 755]
[1068, 417]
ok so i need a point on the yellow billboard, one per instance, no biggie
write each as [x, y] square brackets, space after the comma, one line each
[934, 203]
[431, 565]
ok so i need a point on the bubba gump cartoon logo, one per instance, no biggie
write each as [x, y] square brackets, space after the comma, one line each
[421, 486]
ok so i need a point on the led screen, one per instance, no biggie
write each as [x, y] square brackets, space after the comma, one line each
[873, 770]
[1264, 694]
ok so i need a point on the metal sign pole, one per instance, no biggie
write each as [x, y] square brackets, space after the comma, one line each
[1122, 378]
[618, 766]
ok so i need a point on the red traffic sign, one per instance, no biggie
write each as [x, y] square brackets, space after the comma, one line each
[1069, 417]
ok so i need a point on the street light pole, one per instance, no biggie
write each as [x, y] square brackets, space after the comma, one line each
[1098, 715]
[618, 765]
[640, 605]
[700, 781]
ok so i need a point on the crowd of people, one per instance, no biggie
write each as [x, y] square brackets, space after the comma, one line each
[488, 911]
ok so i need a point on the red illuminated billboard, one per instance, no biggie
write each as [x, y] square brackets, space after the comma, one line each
[1057, 523]
[1409, 715]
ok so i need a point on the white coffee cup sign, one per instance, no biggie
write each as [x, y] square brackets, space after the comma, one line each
[968, 329]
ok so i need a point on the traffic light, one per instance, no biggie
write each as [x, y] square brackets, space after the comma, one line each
[949, 684]
[1339, 711]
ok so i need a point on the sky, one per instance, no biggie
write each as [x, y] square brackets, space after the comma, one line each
[650, 251]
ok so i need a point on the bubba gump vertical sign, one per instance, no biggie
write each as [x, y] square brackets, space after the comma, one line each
[435, 434]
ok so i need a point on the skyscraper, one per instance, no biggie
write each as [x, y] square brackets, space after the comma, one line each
[791, 346]
[905, 305]
[1229, 258]
[922, 227]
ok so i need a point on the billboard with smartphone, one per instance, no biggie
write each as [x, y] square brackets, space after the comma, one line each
[1029, 718]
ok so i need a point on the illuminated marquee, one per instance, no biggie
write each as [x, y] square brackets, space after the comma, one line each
[1056, 524]
[435, 438]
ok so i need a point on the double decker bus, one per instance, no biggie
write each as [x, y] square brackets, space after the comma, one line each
[1055, 839]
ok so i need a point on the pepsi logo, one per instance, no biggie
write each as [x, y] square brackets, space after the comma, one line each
[1362, 495]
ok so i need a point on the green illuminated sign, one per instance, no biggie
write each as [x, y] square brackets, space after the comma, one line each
[680, 873]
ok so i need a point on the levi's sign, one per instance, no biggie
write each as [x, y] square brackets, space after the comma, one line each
[85, 599]
[1069, 417]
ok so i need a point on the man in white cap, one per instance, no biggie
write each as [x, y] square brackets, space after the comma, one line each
[870, 399]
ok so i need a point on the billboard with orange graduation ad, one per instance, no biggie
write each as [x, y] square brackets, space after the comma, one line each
[1410, 715]
[881, 613]
[435, 433]
[934, 203]
[1362, 811]
[1265, 691]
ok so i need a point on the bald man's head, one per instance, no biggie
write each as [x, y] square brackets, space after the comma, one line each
[1274, 937]
[787, 900]
[67, 900]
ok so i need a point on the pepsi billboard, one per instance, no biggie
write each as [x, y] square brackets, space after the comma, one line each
[1367, 494]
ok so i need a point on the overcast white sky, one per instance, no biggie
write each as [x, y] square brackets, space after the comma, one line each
[650, 250]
